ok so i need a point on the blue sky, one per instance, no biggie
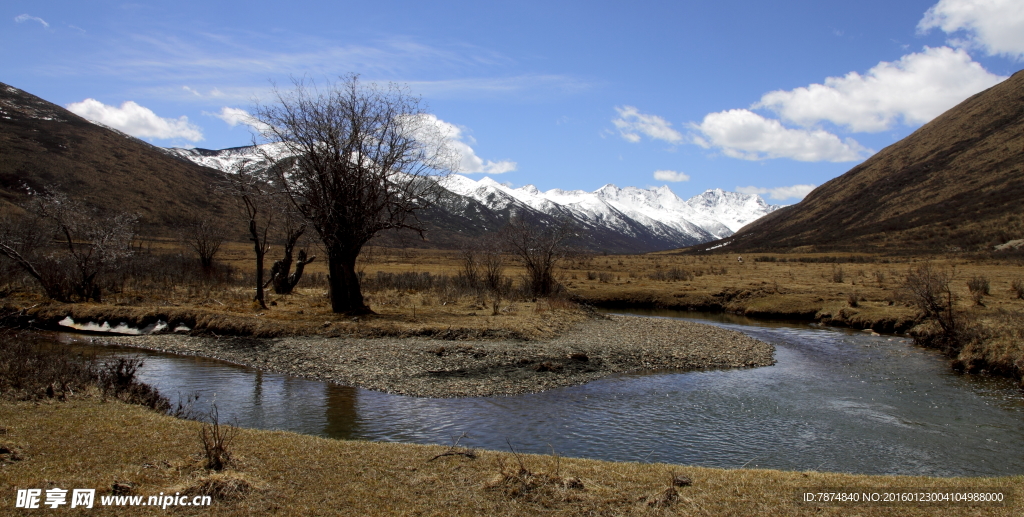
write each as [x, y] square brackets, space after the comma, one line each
[761, 97]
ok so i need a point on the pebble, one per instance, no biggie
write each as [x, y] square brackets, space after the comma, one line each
[426, 367]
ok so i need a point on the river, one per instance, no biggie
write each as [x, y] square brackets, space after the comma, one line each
[837, 400]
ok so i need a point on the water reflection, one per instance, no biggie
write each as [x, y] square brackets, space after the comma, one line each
[836, 400]
[342, 419]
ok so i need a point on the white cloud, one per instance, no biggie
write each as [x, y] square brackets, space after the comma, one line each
[631, 124]
[238, 116]
[997, 26]
[469, 162]
[136, 120]
[666, 175]
[235, 116]
[779, 193]
[914, 90]
[22, 18]
[746, 135]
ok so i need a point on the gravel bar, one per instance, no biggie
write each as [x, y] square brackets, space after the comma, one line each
[425, 367]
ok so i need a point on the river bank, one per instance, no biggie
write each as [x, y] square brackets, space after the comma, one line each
[425, 367]
[111, 446]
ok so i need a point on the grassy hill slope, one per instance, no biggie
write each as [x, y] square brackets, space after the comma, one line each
[955, 183]
[44, 145]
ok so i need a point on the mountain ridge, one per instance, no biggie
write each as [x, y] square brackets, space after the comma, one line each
[954, 184]
[43, 145]
[645, 219]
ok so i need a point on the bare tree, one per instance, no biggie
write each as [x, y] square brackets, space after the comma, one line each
[540, 248]
[67, 247]
[493, 262]
[470, 258]
[361, 160]
[254, 196]
[203, 237]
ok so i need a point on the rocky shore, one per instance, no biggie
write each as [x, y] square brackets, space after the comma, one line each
[444, 368]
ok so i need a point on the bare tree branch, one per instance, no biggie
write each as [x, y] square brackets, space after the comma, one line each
[358, 159]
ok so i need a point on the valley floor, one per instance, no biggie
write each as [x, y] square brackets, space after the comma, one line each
[415, 296]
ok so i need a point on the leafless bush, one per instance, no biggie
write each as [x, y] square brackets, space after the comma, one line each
[979, 288]
[930, 290]
[203, 237]
[470, 270]
[493, 262]
[216, 439]
[72, 246]
[118, 378]
[1017, 286]
[540, 249]
[29, 372]
[880, 278]
[31, 369]
[838, 275]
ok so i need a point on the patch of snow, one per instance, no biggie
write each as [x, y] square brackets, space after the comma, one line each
[122, 328]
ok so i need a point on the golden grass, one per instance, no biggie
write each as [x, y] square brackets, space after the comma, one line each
[86, 443]
[855, 290]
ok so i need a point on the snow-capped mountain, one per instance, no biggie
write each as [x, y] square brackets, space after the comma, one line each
[628, 219]
[228, 160]
[711, 215]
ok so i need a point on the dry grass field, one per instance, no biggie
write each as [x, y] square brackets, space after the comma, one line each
[418, 292]
[108, 446]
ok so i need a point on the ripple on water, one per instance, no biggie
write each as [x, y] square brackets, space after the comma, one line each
[835, 401]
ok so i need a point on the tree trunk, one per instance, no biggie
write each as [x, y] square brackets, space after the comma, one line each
[260, 247]
[280, 274]
[346, 296]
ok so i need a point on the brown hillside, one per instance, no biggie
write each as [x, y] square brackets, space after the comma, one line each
[955, 183]
[42, 144]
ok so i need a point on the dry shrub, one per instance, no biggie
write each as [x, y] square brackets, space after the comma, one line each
[929, 289]
[221, 486]
[10, 453]
[880, 278]
[31, 369]
[838, 275]
[663, 499]
[1001, 348]
[561, 303]
[979, 288]
[117, 378]
[31, 372]
[1017, 286]
[673, 275]
[216, 439]
[516, 481]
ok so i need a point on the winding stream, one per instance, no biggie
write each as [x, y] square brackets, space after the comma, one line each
[837, 400]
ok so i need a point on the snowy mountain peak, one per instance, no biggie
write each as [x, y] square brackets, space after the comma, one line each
[652, 218]
[711, 215]
[485, 181]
